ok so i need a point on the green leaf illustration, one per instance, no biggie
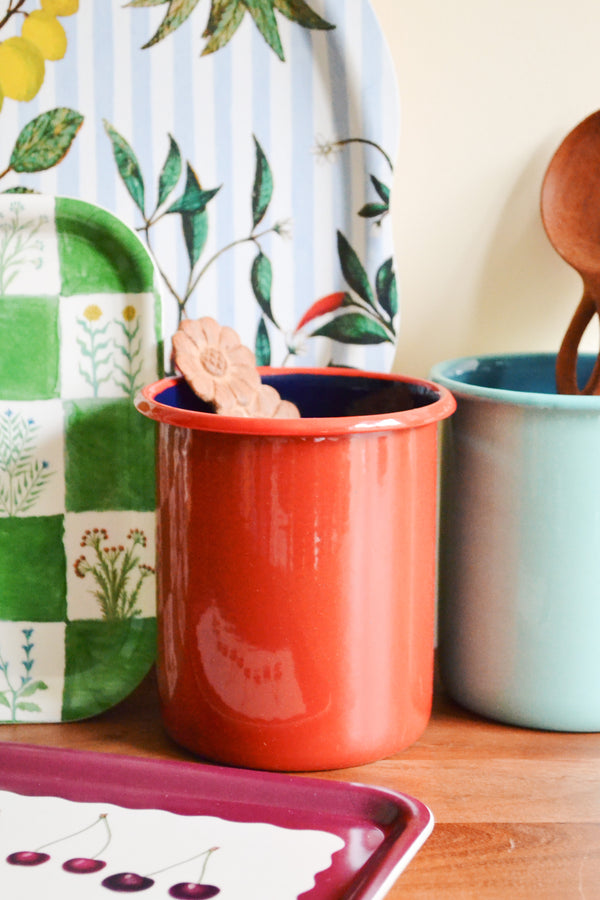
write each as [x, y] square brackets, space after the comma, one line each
[177, 13]
[225, 17]
[4, 699]
[195, 232]
[387, 291]
[353, 270]
[193, 199]
[19, 190]
[373, 210]
[128, 166]
[382, 189]
[171, 171]
[261, 278]
[262, 345]
[32, 687]
[29, 707]
[45, 140]
[353, 328]
[300, 12]
[262, 190]
[264, 18]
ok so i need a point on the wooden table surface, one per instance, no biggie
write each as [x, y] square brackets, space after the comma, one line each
[517, 812]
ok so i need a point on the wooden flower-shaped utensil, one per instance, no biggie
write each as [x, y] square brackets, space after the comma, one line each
[222, 371]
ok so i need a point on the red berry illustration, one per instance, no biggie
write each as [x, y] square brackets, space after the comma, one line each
[78, 865]
[130, 882]
[83, 865]
[27, 858]
[191, 890]
[127, 882]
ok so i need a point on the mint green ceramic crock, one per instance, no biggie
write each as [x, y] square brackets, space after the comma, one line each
[519, 585]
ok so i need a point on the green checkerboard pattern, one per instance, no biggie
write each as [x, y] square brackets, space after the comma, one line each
[79, 328]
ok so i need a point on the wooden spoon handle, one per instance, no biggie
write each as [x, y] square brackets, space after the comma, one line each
[566, 361]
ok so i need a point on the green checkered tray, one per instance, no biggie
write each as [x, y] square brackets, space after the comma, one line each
[79, 335]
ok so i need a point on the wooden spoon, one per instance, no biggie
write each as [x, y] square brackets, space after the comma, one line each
[570, 205]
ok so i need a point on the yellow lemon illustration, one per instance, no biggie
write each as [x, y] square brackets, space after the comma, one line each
[21, 68]
[45, 31]
[60, 7]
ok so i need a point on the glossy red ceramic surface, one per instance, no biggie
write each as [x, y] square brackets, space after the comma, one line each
[296, 568]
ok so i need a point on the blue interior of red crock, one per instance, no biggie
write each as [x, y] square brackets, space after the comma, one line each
[324, 395]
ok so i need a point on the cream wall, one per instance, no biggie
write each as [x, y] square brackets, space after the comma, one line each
[488, 90]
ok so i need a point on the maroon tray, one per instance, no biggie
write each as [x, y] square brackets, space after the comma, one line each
[381, 829]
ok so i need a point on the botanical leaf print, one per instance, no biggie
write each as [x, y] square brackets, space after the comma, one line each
[171, 171]
[387, 292]
[262, 344]
[353, 328]
[177, 13]
[195, 232]
[264, 18]
[194, 198]
[377, 209]
[45, 140]
[23, 476]
[261, 278]
[353, 270]
[226, 15]
[262, 191]
[128, 166]
[299, 11]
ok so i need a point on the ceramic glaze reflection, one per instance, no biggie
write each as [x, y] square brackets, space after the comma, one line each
[296, 576]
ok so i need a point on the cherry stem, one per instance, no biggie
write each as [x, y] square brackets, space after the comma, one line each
[182, 862]
[103, 817]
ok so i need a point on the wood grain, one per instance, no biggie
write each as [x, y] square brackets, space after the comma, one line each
[517, 811]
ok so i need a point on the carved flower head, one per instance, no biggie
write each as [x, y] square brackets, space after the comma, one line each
[215, 363]
[223, 372]
[266, 404]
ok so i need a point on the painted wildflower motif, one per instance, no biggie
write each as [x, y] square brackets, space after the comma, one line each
[23, 476]
[94, 347]
[117, 571]
[15, 691]
[20, 244]
[110, 349]
[128, 351]
[226, 16]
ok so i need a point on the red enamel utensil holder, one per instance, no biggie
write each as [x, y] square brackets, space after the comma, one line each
[296, 569]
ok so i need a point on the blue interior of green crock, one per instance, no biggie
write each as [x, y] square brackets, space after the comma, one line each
[323, 395]
[528, 372]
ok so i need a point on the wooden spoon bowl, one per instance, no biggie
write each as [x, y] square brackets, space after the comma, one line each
[570, 207]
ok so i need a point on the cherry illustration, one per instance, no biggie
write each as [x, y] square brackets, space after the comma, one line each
[87, 865]
[127, 882]
[27, 858]
[83, 865]
[80, 865]
[130, 882]
[196, 890]
[191, 890]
